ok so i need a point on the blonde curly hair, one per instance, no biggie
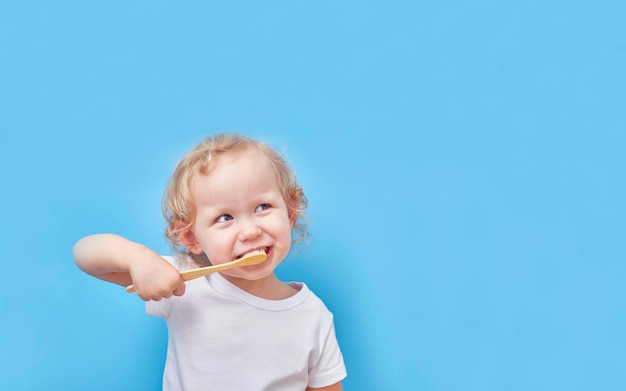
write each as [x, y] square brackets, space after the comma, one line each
[178, 204]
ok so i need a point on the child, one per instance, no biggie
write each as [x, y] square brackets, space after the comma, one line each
[242, 328]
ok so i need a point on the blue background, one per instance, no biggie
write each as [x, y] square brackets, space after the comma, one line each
[464, 162]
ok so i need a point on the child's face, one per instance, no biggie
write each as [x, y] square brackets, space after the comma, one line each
[240, 208]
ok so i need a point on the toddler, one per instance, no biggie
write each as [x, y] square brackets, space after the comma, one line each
[242, 328]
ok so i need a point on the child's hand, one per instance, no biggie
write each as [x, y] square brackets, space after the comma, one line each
[154, 278]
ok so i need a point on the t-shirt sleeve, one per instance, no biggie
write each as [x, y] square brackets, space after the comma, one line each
[159, 308]
[329, 368]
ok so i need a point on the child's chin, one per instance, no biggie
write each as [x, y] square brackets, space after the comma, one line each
[256, 272]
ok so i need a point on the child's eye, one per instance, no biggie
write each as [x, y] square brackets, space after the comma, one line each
[262, 207]
[224, 218]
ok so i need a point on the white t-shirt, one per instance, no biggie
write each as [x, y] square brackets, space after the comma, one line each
[222, 338]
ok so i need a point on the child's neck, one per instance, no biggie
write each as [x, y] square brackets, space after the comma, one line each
[269, 288]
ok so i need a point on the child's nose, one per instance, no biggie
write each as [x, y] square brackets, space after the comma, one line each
[249, 231]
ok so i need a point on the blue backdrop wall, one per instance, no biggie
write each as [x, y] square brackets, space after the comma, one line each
[464, 162]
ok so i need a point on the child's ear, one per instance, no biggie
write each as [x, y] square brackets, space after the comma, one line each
[188, 239]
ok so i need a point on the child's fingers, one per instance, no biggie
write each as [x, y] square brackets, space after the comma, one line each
[153, 293]
[180, 289]
[156, 294]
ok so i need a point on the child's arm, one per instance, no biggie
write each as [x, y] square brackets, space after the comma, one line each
[118, 260]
